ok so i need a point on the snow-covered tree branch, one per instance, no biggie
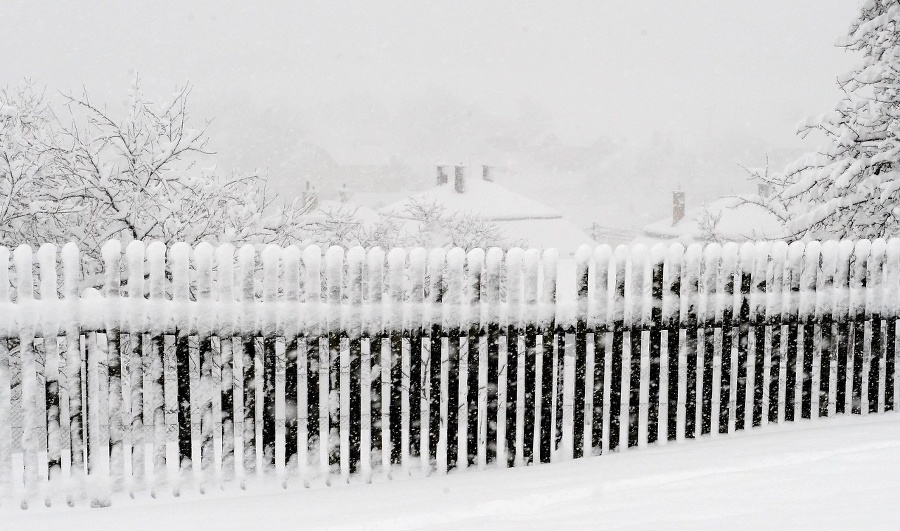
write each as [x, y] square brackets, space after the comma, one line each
[850, 186]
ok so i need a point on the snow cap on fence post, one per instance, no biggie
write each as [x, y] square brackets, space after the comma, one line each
[417, 259]
[599, 314]
[493, 266]
[582, 268]
[247, 272]
[672, 284]
[728, 288]
[620, 267]
[271, 260]
[655, 272]
[179, 256]
[225, 285]
[892, 278]
[453, 317]
[156, 262]
[808, 279]
[874, 278]
[690, 286]
[774, 281]
[474, 268]
[514, 286]
[22, 257]
[548, 293]
[134, 257]
[312, 263]
[861, 252]
[203, 264]
[356, 256]
[712, 255]
[792, 278]
[334, 281]
[758, 286]
[47, 274]
[375, 279]
[396, 259]
[634, 314]
[437, 285]
[111, 253]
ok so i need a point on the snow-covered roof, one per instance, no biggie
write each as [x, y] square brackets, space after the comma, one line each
[737, 220]
[483, 198]
[520, 218]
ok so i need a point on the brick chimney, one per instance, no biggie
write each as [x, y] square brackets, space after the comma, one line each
[344, 193]
[486, 173]
[310, 196]
[459, 181]
[677, 206]
[441, 175]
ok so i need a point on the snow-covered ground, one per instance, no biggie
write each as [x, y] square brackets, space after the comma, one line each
[827, 474]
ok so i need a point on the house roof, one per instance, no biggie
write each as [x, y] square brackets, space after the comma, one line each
[520, 218]
[737, 220]
[485, 199]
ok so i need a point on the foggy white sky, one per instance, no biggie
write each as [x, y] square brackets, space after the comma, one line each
[698, 70]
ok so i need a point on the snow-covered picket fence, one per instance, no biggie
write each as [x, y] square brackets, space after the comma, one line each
[206, 367]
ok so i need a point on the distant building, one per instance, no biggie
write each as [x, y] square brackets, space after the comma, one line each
[519, 217]
[723, 219]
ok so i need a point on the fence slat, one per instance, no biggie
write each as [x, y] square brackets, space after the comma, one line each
[418, 438]
[874, 315]
[601, 326]
[690, 320]
[892, 312]
[842, 300]
[707, 318]
[670, 318]
[293, 458]
[548, 331]
[50, 331]
[375, 325]
[203, 265]
[657, 376]
[111, 252]
[725, 313]
[228, 321]
[247, 269]
[758, 334]
[858, 314]
[474, 266]
[435, 422]
[455, 389]
[271, 263]
[354, 328]
[811, 333]
[825, 322]
[514, 295]
[640, 321]
[745, 362]
[134, 257]
[396, 260]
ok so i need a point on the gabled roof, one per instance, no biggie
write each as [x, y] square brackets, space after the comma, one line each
[485, 199]
[738, 220]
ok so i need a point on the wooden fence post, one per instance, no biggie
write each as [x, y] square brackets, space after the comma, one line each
[474, 265]
[602, 328]
[294, 459]
[203, 265]
[671, 319]
[228, 330]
